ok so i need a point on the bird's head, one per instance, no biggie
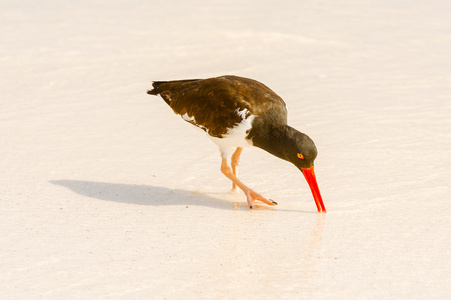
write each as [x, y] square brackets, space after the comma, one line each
[301, 151]
[296, 147]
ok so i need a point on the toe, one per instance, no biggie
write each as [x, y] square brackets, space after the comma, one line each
[257, 196]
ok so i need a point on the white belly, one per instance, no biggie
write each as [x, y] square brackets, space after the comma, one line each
[235, 137]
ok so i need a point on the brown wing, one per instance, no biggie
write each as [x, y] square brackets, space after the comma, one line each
[213, 104]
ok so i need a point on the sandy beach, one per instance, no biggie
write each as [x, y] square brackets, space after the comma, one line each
[106, 194]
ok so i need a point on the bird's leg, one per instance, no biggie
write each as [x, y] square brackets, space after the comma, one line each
[235, 162]
[251, 195]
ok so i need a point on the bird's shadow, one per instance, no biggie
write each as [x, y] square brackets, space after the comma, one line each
[143, 194]
[157, 196]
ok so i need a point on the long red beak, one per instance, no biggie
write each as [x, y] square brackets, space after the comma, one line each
[309, 175]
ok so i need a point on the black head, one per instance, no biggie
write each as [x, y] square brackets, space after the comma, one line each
[299, 149]
[296, 147]
[286, 143]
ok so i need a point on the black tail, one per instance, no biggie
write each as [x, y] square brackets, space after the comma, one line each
[171, 85]
[155, 86]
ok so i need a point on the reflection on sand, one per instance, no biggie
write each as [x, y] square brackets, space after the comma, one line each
[291, 253]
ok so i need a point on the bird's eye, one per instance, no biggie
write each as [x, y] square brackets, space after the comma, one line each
[300, 156]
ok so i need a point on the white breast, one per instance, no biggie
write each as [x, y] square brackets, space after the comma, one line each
[236, 136]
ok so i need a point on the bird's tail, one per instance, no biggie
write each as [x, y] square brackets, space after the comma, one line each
[155, 85]
[171, 85]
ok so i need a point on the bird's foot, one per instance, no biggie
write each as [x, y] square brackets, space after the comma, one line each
[252, 195]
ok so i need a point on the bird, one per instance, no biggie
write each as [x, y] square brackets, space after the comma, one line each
[238, 112]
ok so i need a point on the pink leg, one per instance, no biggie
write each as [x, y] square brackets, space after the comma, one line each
[251, 195]
[235, 162]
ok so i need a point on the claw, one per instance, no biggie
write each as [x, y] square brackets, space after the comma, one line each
[251, 195]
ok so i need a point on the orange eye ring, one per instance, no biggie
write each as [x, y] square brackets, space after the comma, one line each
[300, 156]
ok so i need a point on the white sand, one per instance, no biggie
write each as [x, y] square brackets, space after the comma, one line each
[105, 194]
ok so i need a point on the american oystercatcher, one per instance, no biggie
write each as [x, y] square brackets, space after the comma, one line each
[236, 112]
